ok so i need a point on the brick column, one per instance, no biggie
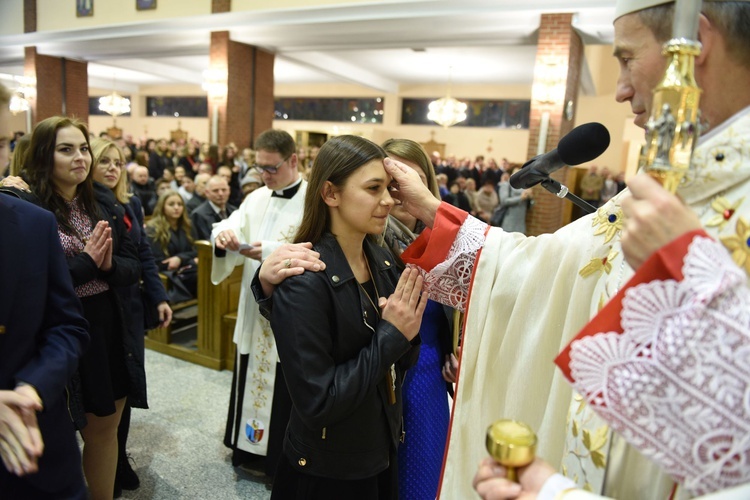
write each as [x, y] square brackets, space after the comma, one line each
[219, 6]
[556, 81]
[29, 16]
[62, 86]
[247, 108]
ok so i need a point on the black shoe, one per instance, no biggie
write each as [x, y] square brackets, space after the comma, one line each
[126, 477]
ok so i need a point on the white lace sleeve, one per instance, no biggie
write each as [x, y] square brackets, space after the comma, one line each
[676, 383]
[448, 282]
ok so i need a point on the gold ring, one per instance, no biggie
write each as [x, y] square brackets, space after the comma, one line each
[288, 263]
[223, 239]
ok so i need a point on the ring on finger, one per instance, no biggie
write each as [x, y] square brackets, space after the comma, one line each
[288, 263]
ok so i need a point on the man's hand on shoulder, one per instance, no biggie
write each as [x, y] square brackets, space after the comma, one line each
[289, 259]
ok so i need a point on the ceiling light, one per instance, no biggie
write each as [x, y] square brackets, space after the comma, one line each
[447, 111]
[18, 103]
[114, 104]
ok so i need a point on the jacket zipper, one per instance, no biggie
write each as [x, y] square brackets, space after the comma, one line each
[324, 433]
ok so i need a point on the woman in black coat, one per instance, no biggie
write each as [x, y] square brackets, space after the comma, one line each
[147, 299]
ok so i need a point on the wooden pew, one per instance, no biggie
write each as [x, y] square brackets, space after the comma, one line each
[217, 305]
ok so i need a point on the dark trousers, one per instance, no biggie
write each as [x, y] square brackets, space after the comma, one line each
[291, 484]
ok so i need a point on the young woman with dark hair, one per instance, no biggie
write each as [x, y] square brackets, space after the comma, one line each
[344, 356]
[101, 256]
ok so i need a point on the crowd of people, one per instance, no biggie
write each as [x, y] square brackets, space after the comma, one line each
[482, 188]
[375, 250]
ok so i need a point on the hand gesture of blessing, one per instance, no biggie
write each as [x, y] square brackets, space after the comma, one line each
[404, 308]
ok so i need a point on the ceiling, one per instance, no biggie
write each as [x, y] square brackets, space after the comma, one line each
[381, 45]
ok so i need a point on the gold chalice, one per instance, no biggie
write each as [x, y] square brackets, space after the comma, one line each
[512, 444]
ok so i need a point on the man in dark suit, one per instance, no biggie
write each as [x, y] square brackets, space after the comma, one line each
[42, 335]
[143, 187]
[214, 209]
[199, 194]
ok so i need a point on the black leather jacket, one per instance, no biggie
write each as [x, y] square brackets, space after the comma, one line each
[336, 355]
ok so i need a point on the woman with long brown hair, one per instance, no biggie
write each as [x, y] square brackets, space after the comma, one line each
[101, 256]
[344, 357]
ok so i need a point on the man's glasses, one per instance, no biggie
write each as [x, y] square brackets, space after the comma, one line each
[108, 162]
[271, 169]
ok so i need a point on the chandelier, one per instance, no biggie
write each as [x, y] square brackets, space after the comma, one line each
[447, 111]
[18, 103]
[114, 104]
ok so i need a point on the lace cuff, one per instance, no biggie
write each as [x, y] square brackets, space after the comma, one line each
[447, 267]
[675, 382]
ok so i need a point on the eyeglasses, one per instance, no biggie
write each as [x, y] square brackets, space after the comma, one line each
[107, 162]
[268, 168]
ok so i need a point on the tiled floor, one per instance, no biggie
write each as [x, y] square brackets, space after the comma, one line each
[177, 444]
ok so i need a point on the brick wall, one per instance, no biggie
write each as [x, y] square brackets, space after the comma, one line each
[219, 6]
[559, 42]
[239, 114]
[247, 109]
[219, 56]
[61, 84]
[77, 89]
[48, 73]
[29, 16]
[52, 97]
[263, 101]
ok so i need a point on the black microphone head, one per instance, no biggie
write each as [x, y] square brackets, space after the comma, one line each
[583, 143]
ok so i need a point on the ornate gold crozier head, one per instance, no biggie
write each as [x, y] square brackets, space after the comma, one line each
[674, 125]
[512, 444]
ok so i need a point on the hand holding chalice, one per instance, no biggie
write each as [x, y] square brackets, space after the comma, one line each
[512, 444]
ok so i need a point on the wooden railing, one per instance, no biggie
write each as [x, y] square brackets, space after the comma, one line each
[217, 314]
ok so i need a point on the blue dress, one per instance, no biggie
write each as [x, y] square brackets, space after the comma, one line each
[426, 414]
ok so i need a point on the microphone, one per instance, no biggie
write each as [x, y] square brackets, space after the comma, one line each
[582, 144]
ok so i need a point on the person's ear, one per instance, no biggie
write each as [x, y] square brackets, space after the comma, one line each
[330, 194]
[707, 37]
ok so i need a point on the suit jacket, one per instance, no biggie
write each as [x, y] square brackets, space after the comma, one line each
[194, 203]
[42, 335]
[203, 219]
[146, 194]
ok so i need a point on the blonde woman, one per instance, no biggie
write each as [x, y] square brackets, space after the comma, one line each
[168, 232]
[141, 303]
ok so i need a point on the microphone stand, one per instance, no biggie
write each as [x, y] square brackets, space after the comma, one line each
[562, 191]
